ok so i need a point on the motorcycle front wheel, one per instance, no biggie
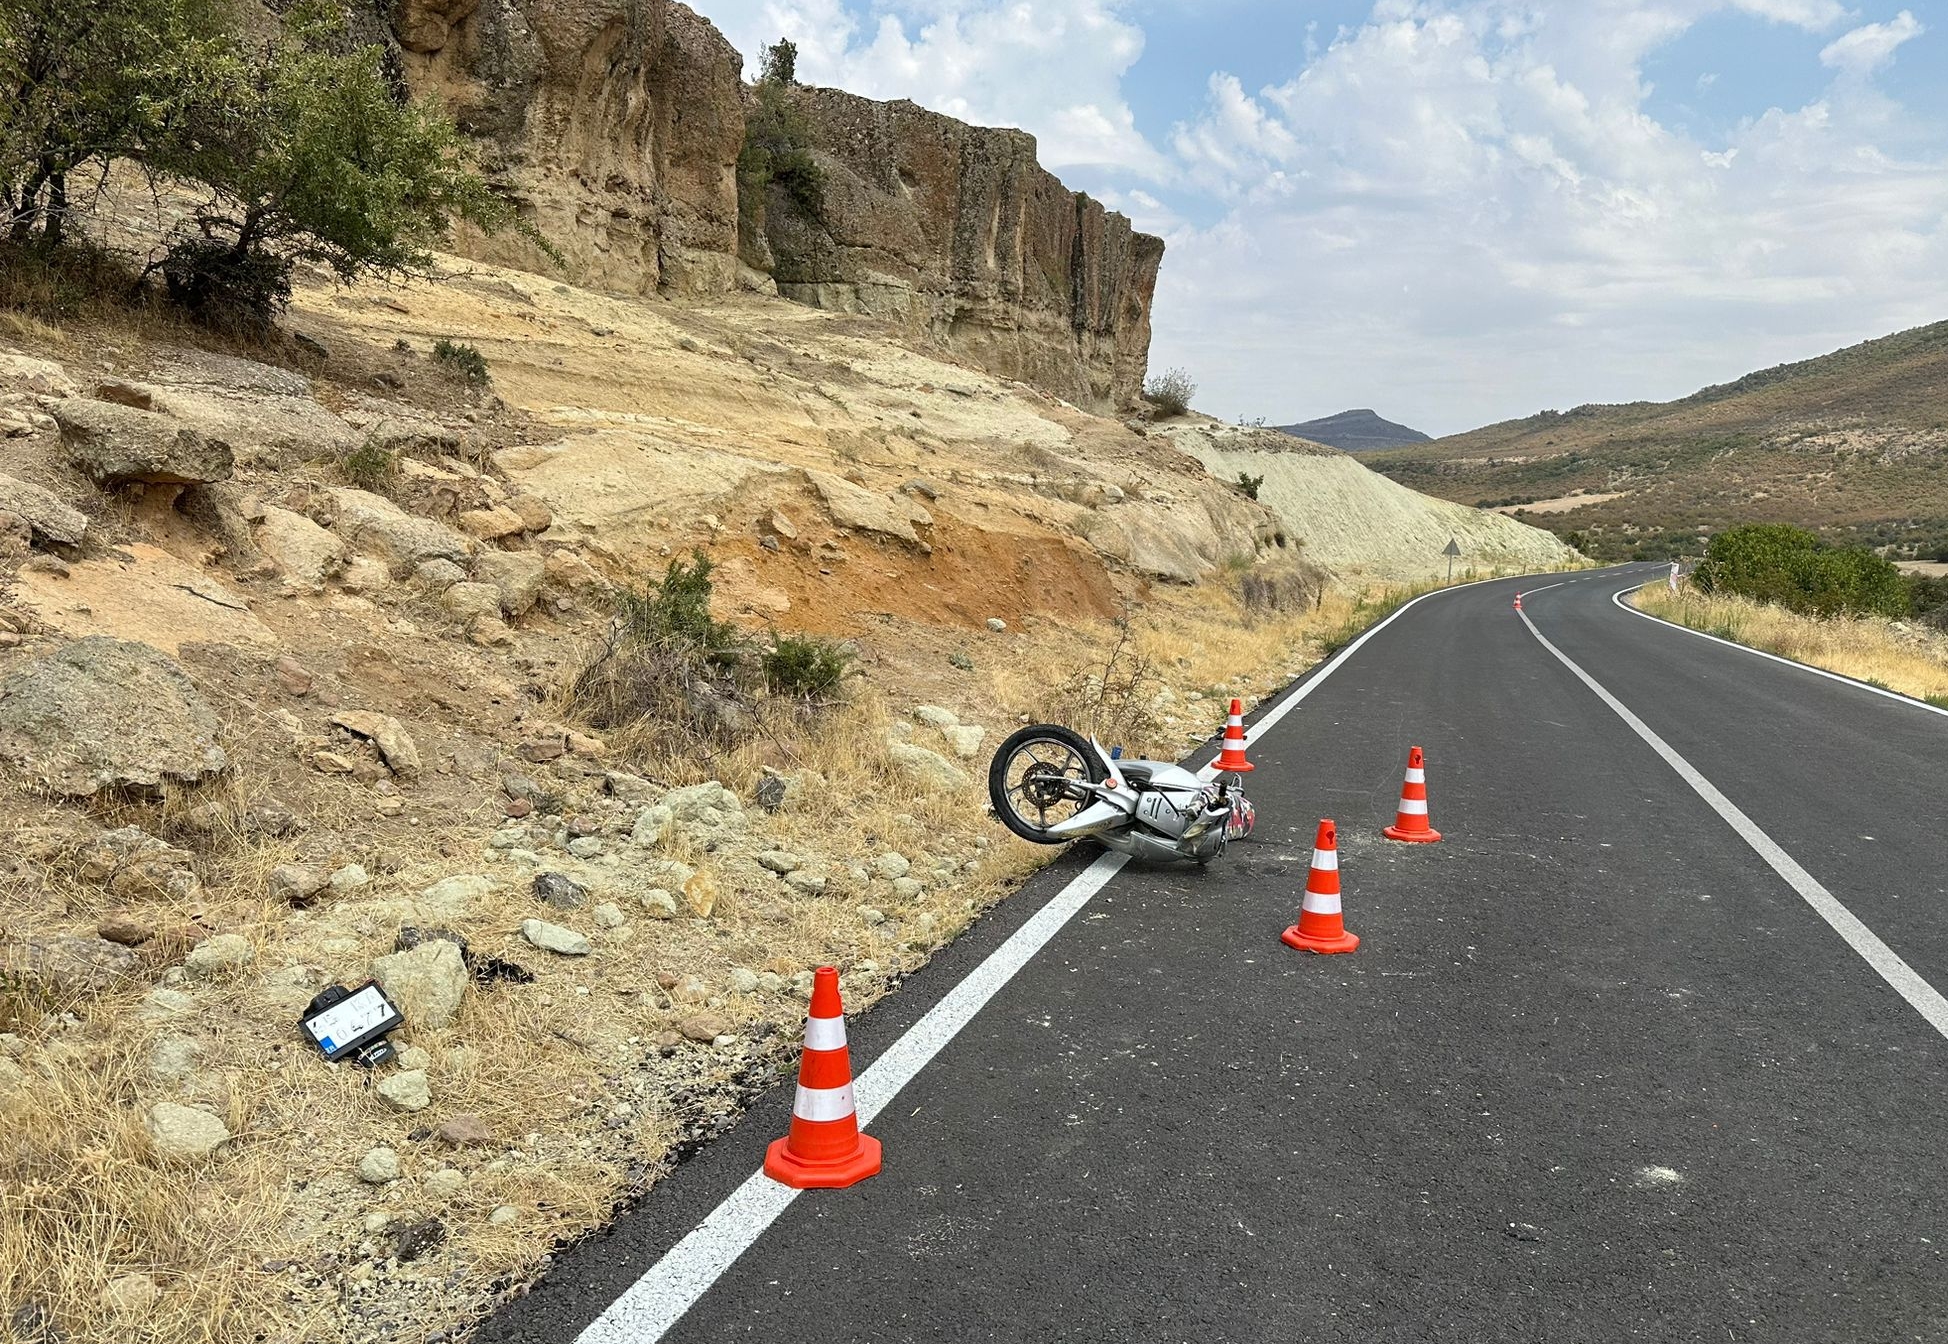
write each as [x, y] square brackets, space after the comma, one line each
[1034, 781]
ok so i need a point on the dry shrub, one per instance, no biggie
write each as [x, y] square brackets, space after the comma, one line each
[1282, 589]
[1116, 700]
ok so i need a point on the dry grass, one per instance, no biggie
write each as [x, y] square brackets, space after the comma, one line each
[1872, 649]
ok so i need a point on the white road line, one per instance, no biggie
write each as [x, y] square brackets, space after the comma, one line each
[655, 1302]
[1908, 700]
[1923, 997]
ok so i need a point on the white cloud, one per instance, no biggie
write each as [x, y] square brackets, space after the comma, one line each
[1464, 210]
[1870, 46]
[1052, 67]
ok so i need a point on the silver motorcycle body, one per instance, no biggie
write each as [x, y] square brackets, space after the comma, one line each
[1147, 809]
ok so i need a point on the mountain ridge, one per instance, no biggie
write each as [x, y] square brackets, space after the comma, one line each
[1356, 431]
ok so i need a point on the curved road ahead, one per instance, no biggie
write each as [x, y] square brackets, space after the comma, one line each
[1601, 1069]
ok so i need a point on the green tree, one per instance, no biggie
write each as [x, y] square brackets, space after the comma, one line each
[779, 63]
[1779, 563]
[308, 156]
[84, 83]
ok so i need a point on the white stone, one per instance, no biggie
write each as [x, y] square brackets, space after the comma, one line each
[892, 865]
[184, 1133]
[378, 1166]
[219, 956]
[406, 1091]
[555, 938]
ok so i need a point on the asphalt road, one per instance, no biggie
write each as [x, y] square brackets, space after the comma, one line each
[1597, 1072]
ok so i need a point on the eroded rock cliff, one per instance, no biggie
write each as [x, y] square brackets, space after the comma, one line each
[617, 124]
[958, 231]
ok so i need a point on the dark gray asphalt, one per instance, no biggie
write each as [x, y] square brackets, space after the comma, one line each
[1596, 1072]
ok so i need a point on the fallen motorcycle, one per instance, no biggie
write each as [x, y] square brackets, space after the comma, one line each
[1050, 785]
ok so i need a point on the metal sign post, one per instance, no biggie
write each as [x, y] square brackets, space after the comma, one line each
[1451, 551]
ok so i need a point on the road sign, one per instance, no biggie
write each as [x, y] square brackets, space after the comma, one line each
[1452, 549]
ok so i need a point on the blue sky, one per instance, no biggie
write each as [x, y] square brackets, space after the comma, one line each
[1457, 211]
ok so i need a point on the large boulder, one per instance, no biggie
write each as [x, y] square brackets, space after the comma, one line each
[865, 511]
[375, 525]
[427, 982]
[302, 549]
[117, 445]
[101, 713]
[517, 575]
[49, 518]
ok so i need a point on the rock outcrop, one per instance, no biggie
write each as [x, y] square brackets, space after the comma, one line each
[957, 231]
[616, 126]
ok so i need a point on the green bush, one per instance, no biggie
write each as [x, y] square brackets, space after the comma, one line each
[777, 142]
[805, 667]
[1789, 566]
[677, 610]
[370, 467]
[463, 361]
[1249, 484]
[1170, 392]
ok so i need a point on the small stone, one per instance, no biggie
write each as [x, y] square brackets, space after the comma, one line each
[349, 878]
[743, 981]
[331, 763]
[652, 826]
[161, 1003]
[396, 746]
[173, 1058]
[996, 624]
[415, 1057]
[438, 575]
[585, 847]
[554, 938]
[560, 891]
[906, 888]
[871, 915]
[124, 928]
[540, 749]
[412, 1240]
[811, 884]
[517, 807]
[428, 982]
[376, 1221]
[936, 717]
[689, 989]
[771, 792]
[583, 744]
[223, 955]
[801, 984]
[780, 861]
[184, 1133]
[378, 1166]
[770, 982]
[130, 1295]
[659, 903]
[298, 883]
[892, 864]
[704, 1027]
[446, 1183]
[509, 837]
[406, 1091]
[503, 1214]
[609, 916]
[293, 676]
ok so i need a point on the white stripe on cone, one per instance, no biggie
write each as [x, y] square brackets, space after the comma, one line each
[1413, 807]
[824, 1033]
[1327, 859]
[823, 1103]
[1416, 776]
[1321, 902]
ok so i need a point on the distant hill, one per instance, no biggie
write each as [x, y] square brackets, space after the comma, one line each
[1853, 444]
[1355, 432]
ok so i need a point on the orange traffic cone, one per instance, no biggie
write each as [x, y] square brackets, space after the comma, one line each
[1321, 927]
[1518, 601]
[1410, 820]
[1232, 758]
[825, 1150]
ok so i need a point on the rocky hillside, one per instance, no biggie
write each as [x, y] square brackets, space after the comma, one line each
[1854, 444]
[617, 127]
[1355, 522]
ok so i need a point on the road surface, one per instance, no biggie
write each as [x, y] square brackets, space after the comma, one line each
[1600, 1070]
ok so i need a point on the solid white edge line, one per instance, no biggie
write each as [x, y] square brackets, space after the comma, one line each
[656, 1301]
[1858, 685]
[1923, 997]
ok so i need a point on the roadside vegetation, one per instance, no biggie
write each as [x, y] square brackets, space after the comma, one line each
[1845, 609]
[265, 148]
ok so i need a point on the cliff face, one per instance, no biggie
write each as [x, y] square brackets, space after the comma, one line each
[617, 125]
[956, 230]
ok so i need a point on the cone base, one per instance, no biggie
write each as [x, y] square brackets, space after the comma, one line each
[781, 1165]
[1346, 942]
[1240, 768]
[1426, 837]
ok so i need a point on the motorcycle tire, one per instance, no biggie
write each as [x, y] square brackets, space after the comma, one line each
[1054, 736]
